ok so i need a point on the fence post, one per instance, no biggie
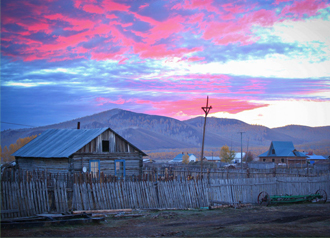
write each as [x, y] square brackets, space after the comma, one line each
[156, 189]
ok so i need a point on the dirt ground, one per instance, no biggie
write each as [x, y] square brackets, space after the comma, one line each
[293, 220]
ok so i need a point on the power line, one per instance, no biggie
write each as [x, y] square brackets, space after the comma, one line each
[16, 124]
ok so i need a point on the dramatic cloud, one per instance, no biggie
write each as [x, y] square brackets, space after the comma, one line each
[70, 58]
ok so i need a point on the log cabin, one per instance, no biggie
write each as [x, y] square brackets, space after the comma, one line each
[81, 150]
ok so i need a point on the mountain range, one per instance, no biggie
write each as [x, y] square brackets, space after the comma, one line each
[159, 133]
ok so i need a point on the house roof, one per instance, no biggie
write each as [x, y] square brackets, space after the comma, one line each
[179, 157]
[61, 143]
[312, 157]
[282, 149]
[210, 158]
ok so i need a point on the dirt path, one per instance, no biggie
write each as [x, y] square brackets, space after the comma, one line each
[286, 220]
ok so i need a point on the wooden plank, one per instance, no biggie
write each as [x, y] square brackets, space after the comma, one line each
[65, 200]
[56, 196]
[107, 195]
[26, 198]
[75, 198]
[84, 197]
[96, 196]
[21, 200]
[90, 197]
[5, 198]
[101, 197]
[16, 198]
[38, 197]
[43, 194]
[33, 197]
[46, 195]
[11, 198]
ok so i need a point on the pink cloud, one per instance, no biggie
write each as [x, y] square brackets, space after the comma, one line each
[221, 24]
[228, 32]
[195, 58]
[102, 101]
[261, 17]
[208, 5]
[232, 8]
[114, 6]
[192, 108]
[161, 51]
[280, 1]
[93, 9]
[308, 7]
[143, 6]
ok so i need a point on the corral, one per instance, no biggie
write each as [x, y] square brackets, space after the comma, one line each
[61, 193]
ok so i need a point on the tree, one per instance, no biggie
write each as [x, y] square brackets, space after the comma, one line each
[226, 154]
[248, 157]
[185, 159]
[6, 154]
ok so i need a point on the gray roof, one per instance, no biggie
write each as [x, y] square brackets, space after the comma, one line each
[60, 143]
[282, 149]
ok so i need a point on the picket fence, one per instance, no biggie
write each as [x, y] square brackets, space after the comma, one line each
[34, 197]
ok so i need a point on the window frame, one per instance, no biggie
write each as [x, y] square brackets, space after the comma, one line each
[98, 163]
[108, 146]
[124, 166]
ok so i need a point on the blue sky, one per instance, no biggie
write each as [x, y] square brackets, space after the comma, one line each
[262, 62]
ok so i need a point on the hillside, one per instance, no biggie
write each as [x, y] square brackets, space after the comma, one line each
[157, 133]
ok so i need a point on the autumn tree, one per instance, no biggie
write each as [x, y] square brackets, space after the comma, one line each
[185, 159]
[6, 154]
[226, 155]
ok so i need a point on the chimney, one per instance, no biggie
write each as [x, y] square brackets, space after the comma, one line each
[78, 125]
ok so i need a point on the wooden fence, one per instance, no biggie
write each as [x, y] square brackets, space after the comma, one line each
[34, 197]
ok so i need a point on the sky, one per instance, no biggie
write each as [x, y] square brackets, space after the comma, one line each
[262, 62]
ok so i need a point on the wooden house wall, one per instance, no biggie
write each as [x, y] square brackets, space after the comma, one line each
[133, 162]
[56, 165]
[116, 144]
[119, 149]
[292, 160]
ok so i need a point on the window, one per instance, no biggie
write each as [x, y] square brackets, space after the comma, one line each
[94, 167]
[273, 160]
[282, 160]
[273, 151]
[120, 168]
[105, 146]
[264, 160]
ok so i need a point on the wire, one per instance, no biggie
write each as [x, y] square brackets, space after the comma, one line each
[16, 124]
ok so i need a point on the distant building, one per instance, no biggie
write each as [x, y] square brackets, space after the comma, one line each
[212, 158]
[179, 158]
[283, 152]
[237, 158]
[313, 158]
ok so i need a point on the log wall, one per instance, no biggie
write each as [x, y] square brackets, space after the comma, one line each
[133, 162]
[55, 165]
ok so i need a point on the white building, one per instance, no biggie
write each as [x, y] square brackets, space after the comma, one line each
[179, 158]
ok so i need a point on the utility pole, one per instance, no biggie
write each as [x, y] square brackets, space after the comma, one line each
[206, 111]
[241, 150]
